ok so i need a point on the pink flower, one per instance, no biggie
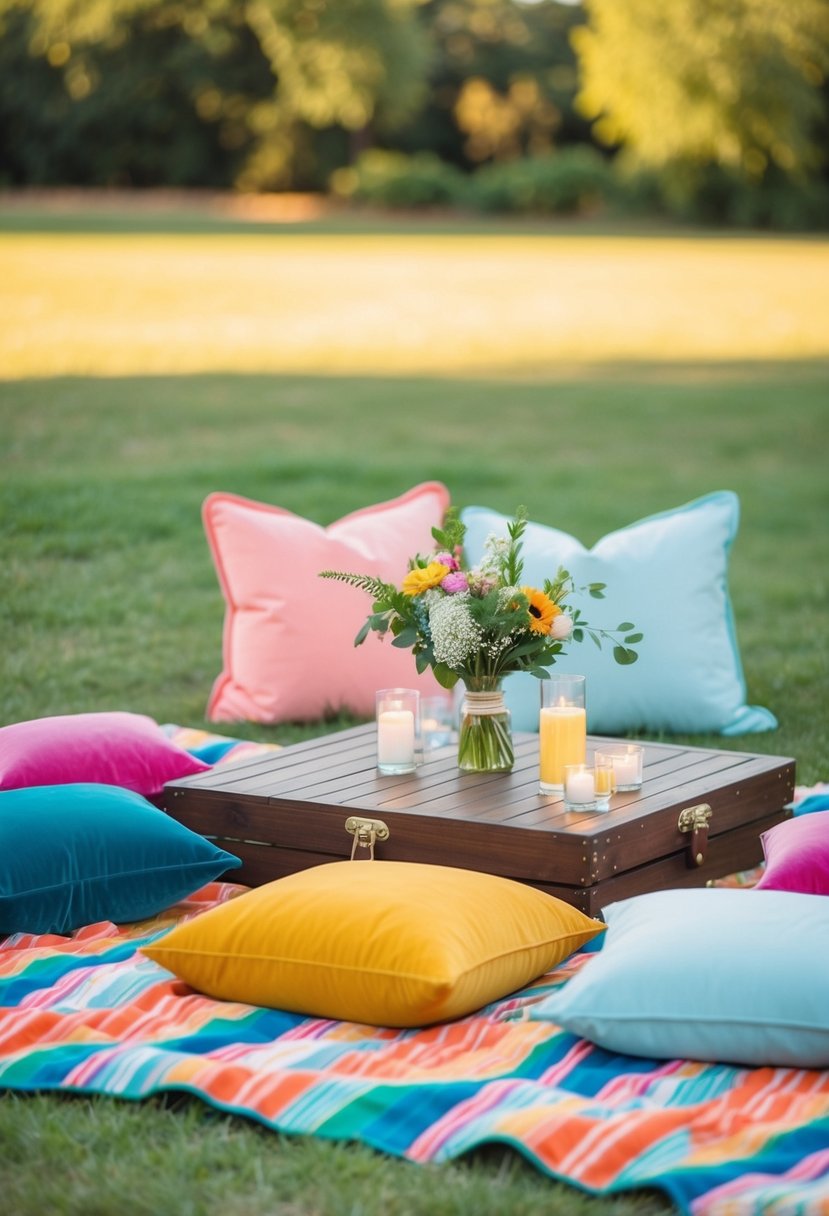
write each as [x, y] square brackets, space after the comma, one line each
[561, 627]
[454, 582]
[480, 585]
[446, 559]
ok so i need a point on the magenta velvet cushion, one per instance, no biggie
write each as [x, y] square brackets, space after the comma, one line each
[797, 855]
[288, 648]
[117, 748]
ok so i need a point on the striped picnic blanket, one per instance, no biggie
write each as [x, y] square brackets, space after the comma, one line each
[86, 1013]
[89, 1014]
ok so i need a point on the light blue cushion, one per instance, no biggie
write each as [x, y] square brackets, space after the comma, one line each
[729, 975]
[76, 854]
[669, 575]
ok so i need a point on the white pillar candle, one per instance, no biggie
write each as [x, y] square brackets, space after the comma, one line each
[580, 786]
[396, 737]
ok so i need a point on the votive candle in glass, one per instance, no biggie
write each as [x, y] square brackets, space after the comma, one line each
[579, 788]
[437, 721]
[627, 761]
[605, 782]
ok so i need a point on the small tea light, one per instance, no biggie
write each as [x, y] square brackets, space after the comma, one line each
[627, 761]
[579, 788]
[587, 787]
[605, 782]
[397, 729]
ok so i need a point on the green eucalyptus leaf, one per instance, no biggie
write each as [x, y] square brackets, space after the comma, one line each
[363, 634]
[634, 637]
[525, 648]
[625, 627]
[594, 637]
[623, 656]
[445, 676]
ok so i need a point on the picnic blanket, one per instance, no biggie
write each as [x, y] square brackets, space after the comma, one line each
[89, 1014]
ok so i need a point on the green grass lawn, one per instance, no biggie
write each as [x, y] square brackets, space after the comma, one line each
[640, 385]
[110, 596]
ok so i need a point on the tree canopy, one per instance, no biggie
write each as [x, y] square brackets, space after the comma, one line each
[238, 79]
[733, 82]
[723, 96]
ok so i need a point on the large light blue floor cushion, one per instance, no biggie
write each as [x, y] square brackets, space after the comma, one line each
[669, 575]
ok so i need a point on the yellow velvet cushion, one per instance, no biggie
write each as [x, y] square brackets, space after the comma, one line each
[383, 942]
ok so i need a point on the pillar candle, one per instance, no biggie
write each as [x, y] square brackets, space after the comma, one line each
[562, 739]
[395, 737]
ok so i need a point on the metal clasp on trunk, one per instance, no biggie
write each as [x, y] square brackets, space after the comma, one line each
[365, 833]
[695, 819]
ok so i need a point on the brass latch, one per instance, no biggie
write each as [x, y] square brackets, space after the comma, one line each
[695, 819]
[365, 832]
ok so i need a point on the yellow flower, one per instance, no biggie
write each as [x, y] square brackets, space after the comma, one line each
[423, 578]
[542, 610]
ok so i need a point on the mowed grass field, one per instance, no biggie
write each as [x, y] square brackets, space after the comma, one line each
[437, 302]
[594, 375]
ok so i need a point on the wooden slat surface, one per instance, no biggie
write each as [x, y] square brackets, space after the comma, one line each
[295, 801]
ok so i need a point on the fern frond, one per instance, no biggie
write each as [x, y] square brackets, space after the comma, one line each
[364, 582]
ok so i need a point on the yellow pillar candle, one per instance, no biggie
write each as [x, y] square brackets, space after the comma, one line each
[562, 739]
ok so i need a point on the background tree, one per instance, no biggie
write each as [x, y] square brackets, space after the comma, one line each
[502, 82]
[684, 85]
[188, 92]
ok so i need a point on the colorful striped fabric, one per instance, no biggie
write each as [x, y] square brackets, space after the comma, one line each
[89, 1014]
[212, 748]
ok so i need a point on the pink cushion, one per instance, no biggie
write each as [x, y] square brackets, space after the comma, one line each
[288, 651]
[116, 748]
[797, 855]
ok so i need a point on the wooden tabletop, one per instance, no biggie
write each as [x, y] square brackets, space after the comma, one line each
[290, 808]
[339, 770]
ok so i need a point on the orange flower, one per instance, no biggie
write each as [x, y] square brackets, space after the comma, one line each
[423, 578]
[542, 610]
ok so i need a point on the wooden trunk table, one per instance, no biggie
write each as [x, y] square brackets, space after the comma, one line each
[698, 816]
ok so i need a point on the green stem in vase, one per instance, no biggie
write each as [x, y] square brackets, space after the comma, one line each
[485, 738]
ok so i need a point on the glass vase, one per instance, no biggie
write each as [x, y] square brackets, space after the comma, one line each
[485, 736]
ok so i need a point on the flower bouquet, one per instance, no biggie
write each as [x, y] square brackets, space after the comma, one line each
[481, 624]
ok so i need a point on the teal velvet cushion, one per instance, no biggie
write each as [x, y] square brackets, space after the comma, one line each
[730, 975]
[669, 575]
[76, 854]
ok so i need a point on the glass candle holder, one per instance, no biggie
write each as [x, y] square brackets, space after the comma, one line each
[398, 729]
[437, 722]
[605, 783]
[587, 787]
[626, 760]
[579, 787]
[562, 730]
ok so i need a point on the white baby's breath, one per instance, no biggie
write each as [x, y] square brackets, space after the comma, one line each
[455, 636]
[494, 555]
